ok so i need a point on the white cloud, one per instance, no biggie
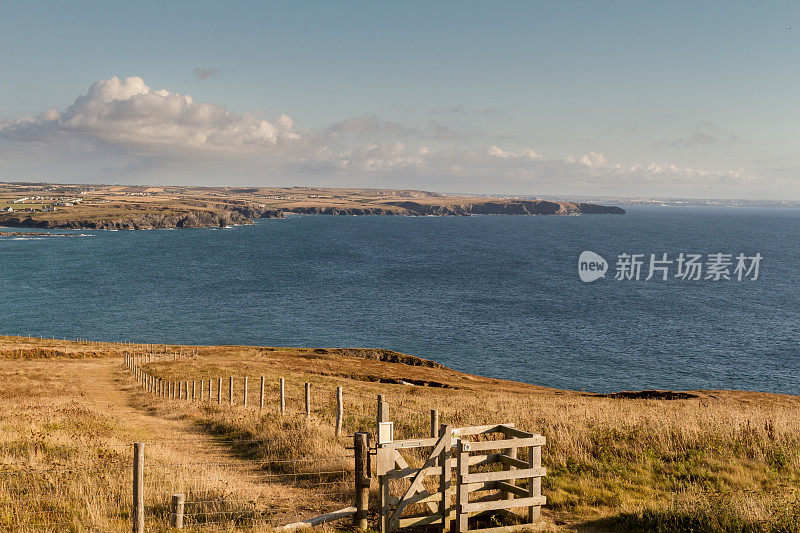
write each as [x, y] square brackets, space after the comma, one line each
[130, 114]
[123, 130]
[592, 160]
[527, 153]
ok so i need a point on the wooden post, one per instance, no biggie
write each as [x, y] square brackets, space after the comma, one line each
[445, 479]
[138, 487]
[361, 447]
[534, 483]
[176, 517]
[435, 429]
[219, 391]
[186, 391]
[462, 489]
[511, 452]
[209, 388]
[244, 397]
[261, 396]
[202, 381]
[434, 423]
[382, 413]
[230, 390]
[339, 411]
[283, 396]
[308, 400]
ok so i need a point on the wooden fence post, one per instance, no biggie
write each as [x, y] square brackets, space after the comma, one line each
[534, 483]
[511, 452]
[445, 479]
[363, 475]
[261, 396]
[230, 390]
[176, 516]
[193, 387]
[308, 400]
[244, 397]
[283, 396]
[462, 489]
[138, 487]
[382, 413]
[186, 391]
[219, 391]
[339, 411]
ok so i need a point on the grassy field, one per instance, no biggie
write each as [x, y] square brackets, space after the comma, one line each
[710, 461]
[141, 207]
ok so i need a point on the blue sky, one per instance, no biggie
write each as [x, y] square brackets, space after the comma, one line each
[615, 98]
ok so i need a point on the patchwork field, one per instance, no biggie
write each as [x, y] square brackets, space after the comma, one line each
[42, 205]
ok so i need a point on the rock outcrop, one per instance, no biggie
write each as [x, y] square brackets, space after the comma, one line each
[216, 215]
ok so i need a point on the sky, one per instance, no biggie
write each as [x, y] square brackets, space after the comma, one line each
[677, 99]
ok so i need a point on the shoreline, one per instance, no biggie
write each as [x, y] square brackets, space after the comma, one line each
[427, 373]
[43, 206]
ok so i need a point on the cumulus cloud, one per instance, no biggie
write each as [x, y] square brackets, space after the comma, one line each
[131, 114]
[124, 130]
[593, 160]
[527, 153]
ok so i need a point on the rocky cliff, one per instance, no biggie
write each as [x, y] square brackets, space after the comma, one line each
[191, 219]
[489, 207]
[244, 213]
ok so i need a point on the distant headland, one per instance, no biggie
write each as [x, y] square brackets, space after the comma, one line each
[54, 206]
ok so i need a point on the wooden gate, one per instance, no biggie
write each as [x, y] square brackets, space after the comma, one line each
[427, 491]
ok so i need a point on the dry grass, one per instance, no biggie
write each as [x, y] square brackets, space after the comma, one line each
[718, 461]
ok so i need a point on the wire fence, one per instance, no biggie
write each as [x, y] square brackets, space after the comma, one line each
[224, 494]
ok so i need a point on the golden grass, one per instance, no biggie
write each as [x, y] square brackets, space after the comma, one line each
[720, 461]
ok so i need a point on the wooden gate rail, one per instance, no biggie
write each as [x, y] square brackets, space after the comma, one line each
[440, 462]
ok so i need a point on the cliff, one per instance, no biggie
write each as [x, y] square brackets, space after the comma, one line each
[489, 207]
[139, 207]
[191, 219]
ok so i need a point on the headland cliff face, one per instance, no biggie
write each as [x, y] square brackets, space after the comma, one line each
[508, 207]
[190, 219]
[247, 213]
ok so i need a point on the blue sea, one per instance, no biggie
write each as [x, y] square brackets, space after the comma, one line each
[492, 295]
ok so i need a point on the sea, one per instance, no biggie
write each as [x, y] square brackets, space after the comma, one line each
[498, 296]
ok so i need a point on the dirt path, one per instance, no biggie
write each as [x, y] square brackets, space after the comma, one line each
[197, 459]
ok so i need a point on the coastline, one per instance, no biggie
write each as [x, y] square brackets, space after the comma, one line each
[45, 206]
